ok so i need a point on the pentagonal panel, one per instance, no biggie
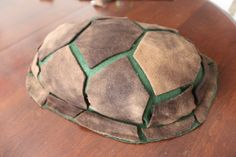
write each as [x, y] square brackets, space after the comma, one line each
[171, 110]
[62, 106]
[36, 91]
[148, 26]
[62, 76]
[206, 90]
[203, 85]
[117, 92]
[168, 60]
[108, 127]
[170, 130]
[105, 38]
[58, 38]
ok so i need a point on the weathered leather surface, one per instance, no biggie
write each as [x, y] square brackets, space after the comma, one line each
[62, 106]
[62, 76]
[170, 130]
[117, 92]
[171, 110]
[108, 127]
[36, 91]
[168, 60]
[59, 37]
[106, 38]
[206, 90]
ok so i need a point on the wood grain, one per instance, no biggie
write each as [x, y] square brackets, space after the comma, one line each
[29, 131]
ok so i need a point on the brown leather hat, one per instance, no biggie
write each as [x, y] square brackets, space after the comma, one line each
[134, 82]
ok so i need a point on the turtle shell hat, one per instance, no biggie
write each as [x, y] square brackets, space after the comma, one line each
[131, 81]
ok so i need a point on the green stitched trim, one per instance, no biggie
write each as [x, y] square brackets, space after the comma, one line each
[171, 94]
[141, 135]
[45, 59]
[91, 72]
[79, 57]
[41, 63]
[144, 80]
[155, 100]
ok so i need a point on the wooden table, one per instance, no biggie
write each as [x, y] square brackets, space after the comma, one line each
[28, 131]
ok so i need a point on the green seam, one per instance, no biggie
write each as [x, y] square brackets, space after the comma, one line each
[171, 94]
[75, 51]
[141, 135]
[41, 63]
[155, 100]
[92, 71]
[144, 80]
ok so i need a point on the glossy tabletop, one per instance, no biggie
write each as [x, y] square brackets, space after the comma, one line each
[26, 130]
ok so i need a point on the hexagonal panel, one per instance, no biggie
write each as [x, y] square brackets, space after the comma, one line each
[117, 92]
[59, 37]
[201, 89]
[171, 110]
[62, 106]
[108, 127]
[168, 60]
[107, 37]
[206, 90]
[171, 130]
[62, 76]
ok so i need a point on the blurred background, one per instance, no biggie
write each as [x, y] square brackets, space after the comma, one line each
[228, 5]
